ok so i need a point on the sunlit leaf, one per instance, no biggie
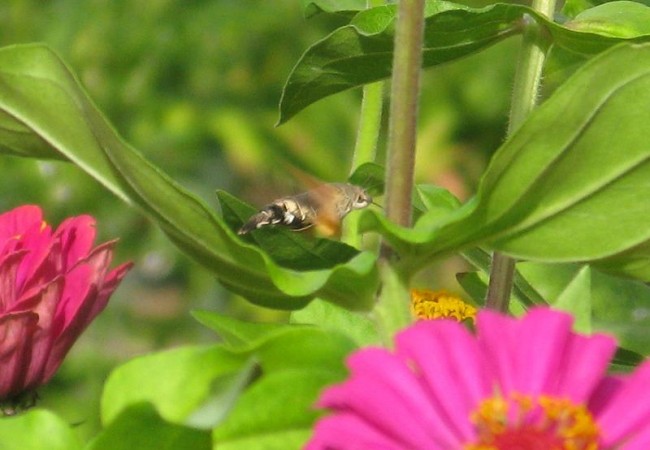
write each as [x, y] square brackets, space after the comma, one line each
[140, 426]
[361, 52]
[238, 333]
[617, 306]
[277, 410]
[575, 298]
[44, 112]
[566, 185]
[357, 326]
[623, 19]
[313, 7]
[37, 430]
[177, 382]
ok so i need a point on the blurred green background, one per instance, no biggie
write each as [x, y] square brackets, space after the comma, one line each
[194, 85]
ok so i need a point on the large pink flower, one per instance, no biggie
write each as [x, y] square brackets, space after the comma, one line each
[52, 285]
[519, 384]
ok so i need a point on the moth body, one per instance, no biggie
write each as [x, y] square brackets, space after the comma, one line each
[323, 207]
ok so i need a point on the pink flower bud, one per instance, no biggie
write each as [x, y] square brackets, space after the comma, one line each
[52, 285]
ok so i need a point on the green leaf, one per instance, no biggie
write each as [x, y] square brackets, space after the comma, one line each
[567, 185]
[37, 430]
[305, 347]
[627, 358]
[44, 112]
[313, 7]
[576, 299]
[357, 326]
[474, 284]
[238, 333]
[177, 382]
[361, 53]
[623, 19]
[617, 306]
[275, 412]
[622, 307]
[369, 176]
[140, 427]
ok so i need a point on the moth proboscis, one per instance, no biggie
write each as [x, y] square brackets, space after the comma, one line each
[323, 207]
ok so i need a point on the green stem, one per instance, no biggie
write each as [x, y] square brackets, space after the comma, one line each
[524, 99]
[392, 311]
[365, 149]
[407, 62]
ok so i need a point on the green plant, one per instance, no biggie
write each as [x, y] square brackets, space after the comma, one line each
[566, 193]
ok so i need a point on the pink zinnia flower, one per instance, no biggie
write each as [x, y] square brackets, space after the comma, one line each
[52, 285]
[519, 384]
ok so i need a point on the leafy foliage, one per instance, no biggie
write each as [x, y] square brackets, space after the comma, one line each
[566, 192]
[361, 52]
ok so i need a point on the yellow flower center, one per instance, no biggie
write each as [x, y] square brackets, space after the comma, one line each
[427, 304]
[533, 423]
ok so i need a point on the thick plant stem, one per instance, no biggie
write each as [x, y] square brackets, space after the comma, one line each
[407, 61]
[392, 311]
[524, 98]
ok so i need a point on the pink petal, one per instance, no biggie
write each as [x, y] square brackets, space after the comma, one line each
[76, 235]
[627, 413]
[347, 431]
[9, 265]
[38, 267]
[14, 223]
[497, 336]
[453, 375]
[16, 332]
[44, 305]
[543, 337]
[585, 362]
[385, 393]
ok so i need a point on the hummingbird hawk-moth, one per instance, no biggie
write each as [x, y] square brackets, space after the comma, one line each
[323, 207]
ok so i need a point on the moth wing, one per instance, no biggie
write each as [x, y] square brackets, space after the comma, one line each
[327, 221]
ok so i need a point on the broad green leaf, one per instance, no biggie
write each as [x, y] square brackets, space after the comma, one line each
[622, 307]
[617, 306]
[313, 7]
[572, 8]
[44, 112]
[237, 333]
[369, 176]
[304, 347]
[623, 19]
[140, 427]
[275, 412]
[361, 52]
[357, 326]
[37, 430]
[177, 382]
[575, 298]
[567, 185]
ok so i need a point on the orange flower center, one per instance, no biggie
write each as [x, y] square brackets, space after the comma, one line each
[428, 305]
[533, 423]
